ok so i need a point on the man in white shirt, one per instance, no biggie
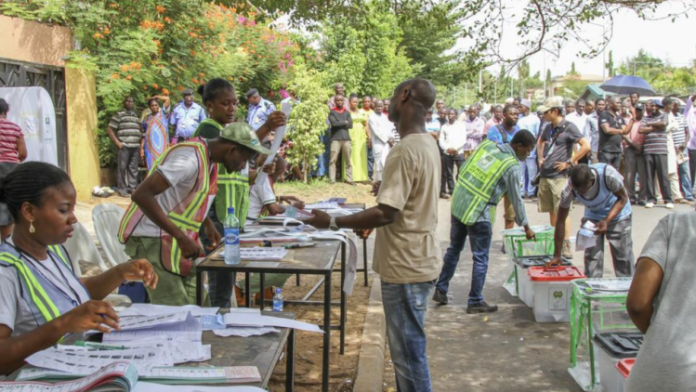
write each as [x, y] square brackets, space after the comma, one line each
[474, 129]
[690, 114]
[575, 113]
[529, 168]
[591, 128]
[452, 140]
[379, 126]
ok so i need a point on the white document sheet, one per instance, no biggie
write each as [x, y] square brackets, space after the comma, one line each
[157, 310]
[180, 352]
[260, 253]
[244, 332]
[228, 374]
[187, 331]
[145, 322]
[322, 205]
[586, 237]
[250, 320]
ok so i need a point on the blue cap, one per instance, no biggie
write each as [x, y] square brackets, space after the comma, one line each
[278, 290]
[658, 102]
[230, 210]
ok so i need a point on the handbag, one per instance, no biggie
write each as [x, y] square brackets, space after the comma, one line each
[537, 178]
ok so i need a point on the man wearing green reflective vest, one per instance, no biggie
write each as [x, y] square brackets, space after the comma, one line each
[492, 171]
[171, 206]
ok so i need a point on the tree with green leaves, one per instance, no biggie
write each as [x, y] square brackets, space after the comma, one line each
[365, 54]
[307, 119]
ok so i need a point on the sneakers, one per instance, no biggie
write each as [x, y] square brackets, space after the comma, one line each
[567, 252]
[440, 297]
[650, 205]
[483, 307]
[670, 206]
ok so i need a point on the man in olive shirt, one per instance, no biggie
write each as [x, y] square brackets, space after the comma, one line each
[407, 254]
[126, 133]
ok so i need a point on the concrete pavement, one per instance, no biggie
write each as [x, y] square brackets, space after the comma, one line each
[507, 350]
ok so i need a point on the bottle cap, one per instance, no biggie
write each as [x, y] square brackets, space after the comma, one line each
[230, 210]
[278, 290]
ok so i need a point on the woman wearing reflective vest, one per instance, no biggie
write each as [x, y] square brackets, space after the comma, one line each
[41, 299]
[233, 187]
[170, 207]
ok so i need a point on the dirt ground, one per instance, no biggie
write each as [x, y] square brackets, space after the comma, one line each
[308, 346]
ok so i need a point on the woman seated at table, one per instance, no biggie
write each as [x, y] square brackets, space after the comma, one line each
[41, 299]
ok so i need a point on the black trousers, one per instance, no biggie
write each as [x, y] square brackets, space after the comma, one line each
[448, 171]
[656, 165]
[635, 165]
[128, 160]
[610, 158]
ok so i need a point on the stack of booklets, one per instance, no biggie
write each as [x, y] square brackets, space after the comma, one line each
[123, 377]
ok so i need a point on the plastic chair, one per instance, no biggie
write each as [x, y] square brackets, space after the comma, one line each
[107, 219]
[82, 247]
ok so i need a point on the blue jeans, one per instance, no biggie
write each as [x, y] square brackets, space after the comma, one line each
[220, 282]
[370, 162]
[530, 170]
[480, 235]
[685, 180]
[404, 308]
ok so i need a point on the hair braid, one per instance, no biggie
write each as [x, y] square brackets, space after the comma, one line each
[27, 184]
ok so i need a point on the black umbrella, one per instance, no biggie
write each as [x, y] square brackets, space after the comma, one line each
[624, 85]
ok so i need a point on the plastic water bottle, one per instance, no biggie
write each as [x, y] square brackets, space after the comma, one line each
[232, 253]
[278, 301]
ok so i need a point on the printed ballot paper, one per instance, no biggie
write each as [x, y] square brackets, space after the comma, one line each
[158, 310]
[186, 329]
[123, 376]
[256, 320]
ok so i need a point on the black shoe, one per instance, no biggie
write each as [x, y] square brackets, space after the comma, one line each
[503, 249]
[483, 307]
[444, 196]
[440, 297]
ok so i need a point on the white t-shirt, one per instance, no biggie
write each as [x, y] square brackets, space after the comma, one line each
[180, 169]
[260, 195]
[15, 312]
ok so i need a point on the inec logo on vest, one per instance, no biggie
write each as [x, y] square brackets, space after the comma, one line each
[485, 162]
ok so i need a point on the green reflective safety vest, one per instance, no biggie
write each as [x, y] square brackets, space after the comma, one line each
[43, 297]
[477, 181]
[233, 188]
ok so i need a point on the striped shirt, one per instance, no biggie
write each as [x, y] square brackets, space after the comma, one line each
[10, 133]
[127, 126]
[655, 141]
[679, 136]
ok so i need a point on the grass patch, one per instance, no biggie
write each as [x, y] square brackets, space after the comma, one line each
[320, 189]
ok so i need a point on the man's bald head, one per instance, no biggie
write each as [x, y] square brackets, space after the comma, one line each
[413, 97]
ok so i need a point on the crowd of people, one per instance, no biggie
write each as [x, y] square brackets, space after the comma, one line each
[211, 165]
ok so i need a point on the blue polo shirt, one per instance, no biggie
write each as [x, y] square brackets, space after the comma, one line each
[495, 133]
[185, 120]
[258, 114]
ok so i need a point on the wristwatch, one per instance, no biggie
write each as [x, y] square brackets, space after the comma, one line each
[332, 224]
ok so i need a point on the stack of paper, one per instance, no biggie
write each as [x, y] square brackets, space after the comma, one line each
[117, 376]
[179, 327]
[159, 310]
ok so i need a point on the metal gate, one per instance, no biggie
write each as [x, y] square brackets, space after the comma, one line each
[19, 74]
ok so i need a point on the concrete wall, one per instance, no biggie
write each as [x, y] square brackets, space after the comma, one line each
[81, 99]
[38, 43]
[34, 42]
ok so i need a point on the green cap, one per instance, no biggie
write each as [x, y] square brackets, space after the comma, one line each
[242, 134]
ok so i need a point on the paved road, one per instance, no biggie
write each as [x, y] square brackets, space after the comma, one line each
[508, 350]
